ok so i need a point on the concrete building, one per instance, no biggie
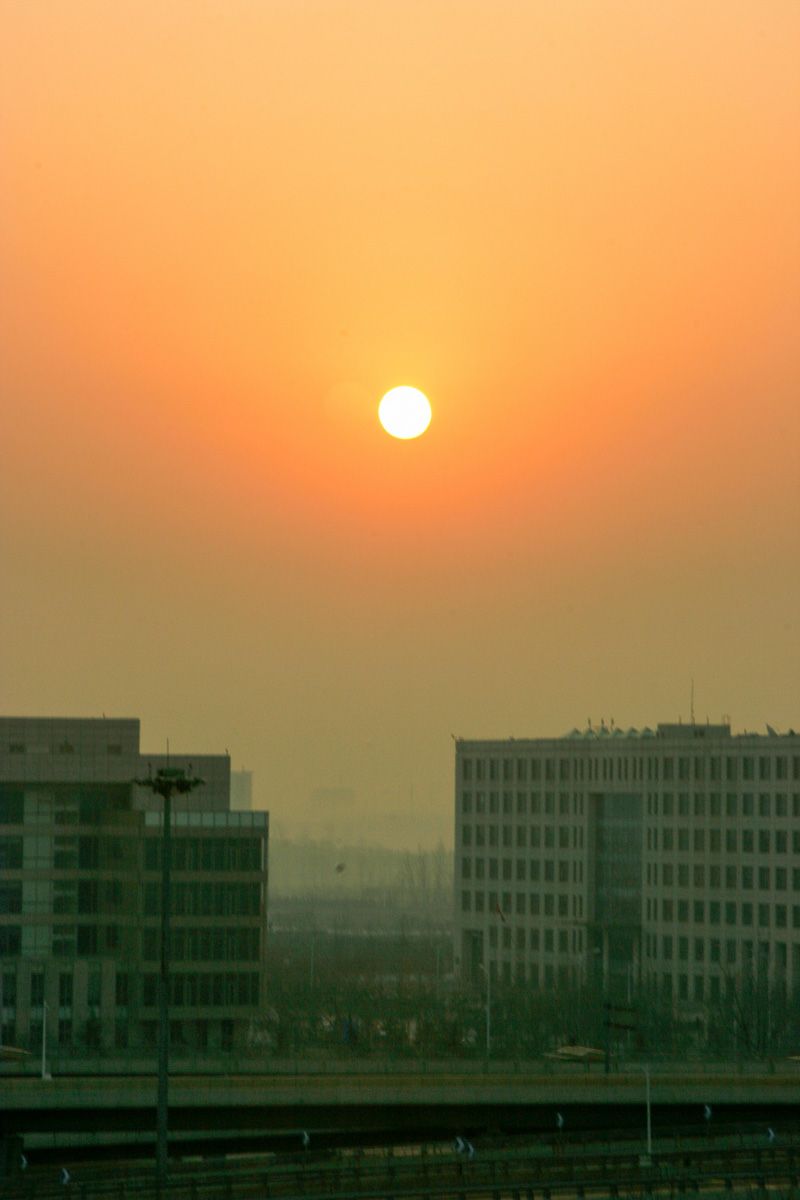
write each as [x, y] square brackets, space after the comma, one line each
[667, 857]
[242, 791]
[80, 893]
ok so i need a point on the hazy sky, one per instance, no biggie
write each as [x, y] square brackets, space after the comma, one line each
[227, 228]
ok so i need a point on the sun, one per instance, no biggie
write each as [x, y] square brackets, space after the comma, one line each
[405, 412]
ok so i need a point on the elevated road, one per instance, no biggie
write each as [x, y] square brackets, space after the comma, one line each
[368, 1101]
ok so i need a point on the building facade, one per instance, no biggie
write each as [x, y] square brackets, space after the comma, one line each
[668, 858]
[80, 893]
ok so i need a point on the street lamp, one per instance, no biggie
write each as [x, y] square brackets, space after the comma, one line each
[45, 1073]
[165, 781]
[488, 976]
[649, 1156]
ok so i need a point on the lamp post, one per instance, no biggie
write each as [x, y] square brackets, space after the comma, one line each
[165, 781]
[488, 976]
[45, 1074]
[649, 1155]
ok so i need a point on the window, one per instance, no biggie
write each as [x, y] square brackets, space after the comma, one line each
[37, 989]
[122, 987]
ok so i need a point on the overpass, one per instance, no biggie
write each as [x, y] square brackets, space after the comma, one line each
[109, 1107]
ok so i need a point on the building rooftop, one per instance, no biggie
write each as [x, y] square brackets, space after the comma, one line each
[665, 730]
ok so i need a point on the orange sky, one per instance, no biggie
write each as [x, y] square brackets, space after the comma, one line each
[228, 228]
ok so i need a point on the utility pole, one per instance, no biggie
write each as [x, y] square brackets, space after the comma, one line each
[488, 975]
[649, 1155]
[165, 781]
[45, 1074]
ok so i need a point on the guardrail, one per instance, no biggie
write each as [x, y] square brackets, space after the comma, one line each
[516, 1173]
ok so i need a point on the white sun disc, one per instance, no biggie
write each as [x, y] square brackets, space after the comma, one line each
[405, 412]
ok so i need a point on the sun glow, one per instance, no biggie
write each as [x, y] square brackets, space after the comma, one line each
[405, 412]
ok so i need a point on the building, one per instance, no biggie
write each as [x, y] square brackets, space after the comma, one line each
[80, 893]
[668, 858]
[242, 791]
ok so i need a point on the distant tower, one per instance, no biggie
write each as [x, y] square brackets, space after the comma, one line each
[241, 791]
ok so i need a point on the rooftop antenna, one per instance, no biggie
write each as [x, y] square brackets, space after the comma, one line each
[691, 704]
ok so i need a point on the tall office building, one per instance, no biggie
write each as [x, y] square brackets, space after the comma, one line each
[667, 857]
[80, 892]
[242, 791]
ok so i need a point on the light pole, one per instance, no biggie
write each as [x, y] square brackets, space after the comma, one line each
[165, 781]
[649, 1156]
[488, 976]
[45, 1074]
[311, 963]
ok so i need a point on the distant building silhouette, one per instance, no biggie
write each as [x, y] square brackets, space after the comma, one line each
[80, 892]
[666, 858]
[241, 791]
